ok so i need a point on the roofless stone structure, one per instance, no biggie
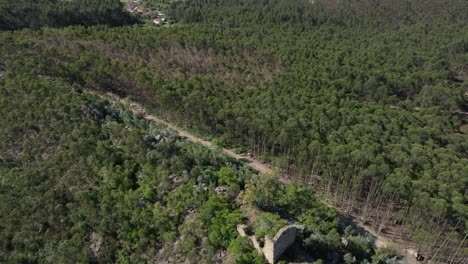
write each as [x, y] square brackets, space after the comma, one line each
[275, 247]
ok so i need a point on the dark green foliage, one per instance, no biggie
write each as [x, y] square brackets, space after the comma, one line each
[364, 99]
[323, 245]
[308, 14]
[297, 198]
[386, 256]
[58, 13]
[294, 203]
[265, 192]
[81, 182]
[360, 247]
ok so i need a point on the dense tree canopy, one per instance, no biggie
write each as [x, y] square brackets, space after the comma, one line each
[57, 13]
[365, 101]
[84, 180]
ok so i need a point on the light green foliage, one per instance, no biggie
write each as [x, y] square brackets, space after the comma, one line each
[243, 252]
[349, 259]
[362, 98]
[265, 192]
[222, 228]
[268, 224]
[212, 205]
[227, 176]
[297, 198]
[78, 172]
[185, 197]
[221, 217]
[319, 220]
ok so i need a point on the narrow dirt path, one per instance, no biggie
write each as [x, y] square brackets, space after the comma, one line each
[263, 168]
[255, 164]
[137, 108]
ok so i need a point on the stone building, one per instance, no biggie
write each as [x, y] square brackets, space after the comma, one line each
[274, 247]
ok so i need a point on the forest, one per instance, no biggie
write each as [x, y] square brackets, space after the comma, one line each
[365, 102]
[84, 180]
[16, 14]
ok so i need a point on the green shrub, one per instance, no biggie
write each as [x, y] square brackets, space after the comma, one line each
[268, 224]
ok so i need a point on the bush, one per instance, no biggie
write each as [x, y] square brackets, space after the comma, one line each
[227, 176]
[265, 192]
[243, 252]
[297, 198]
[388, 255]
[222, 229]
[268, 224]
[360, 246]
[319, 220]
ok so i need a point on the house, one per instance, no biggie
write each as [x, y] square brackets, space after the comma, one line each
[141, 10]
[157, 21]
[131, 6]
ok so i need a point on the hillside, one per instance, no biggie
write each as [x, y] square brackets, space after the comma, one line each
[88, 181]
[364, 102]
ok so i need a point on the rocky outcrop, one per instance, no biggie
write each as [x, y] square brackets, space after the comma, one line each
[96, 243]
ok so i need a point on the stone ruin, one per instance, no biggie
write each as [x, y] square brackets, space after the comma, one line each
[274, 247]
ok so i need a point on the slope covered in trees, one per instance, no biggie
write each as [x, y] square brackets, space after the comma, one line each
[363, 99]
[86, 181]
[58, 13]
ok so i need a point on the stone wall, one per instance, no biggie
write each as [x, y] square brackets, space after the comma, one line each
[275, 247]
[285, 237]
[241, 230]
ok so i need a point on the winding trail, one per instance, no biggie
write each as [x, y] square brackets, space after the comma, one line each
[263, 168]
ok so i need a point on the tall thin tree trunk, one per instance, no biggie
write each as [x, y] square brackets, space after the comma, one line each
[458, 249]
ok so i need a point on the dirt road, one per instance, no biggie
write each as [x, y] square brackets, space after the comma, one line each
[137, 108]
[255, 164]
[380, 241]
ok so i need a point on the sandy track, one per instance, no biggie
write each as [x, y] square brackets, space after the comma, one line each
[138, 109]
[380, 241]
